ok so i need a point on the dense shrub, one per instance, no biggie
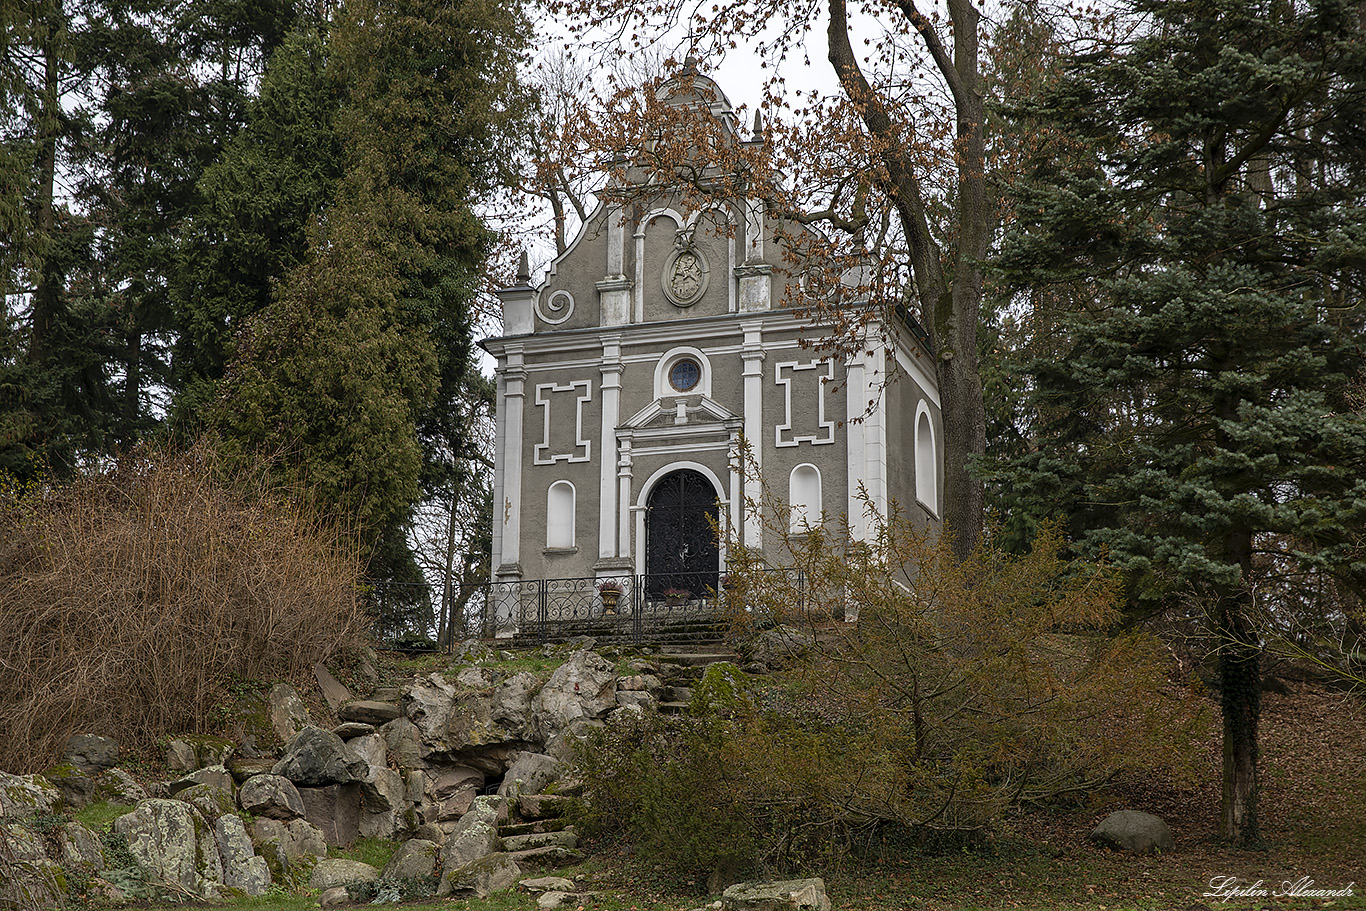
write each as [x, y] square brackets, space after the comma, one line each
[965, 688]
[132, 593]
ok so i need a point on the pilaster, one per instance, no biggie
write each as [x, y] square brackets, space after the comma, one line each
[514, 378]
[611, 416]
[753, 354]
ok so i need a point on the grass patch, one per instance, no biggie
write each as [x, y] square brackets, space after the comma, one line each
[100, 816]
[373, 851]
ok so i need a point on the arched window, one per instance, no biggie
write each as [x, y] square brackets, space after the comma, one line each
[926, 465]
[559, 515]
[804, 497]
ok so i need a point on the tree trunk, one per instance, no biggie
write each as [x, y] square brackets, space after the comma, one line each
[949, 303]
[47, 295]
[1240, 682]
[955, 331]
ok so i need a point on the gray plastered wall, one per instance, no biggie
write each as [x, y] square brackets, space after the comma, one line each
[593, 339]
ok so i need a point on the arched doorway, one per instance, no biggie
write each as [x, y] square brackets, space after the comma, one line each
[681, 549]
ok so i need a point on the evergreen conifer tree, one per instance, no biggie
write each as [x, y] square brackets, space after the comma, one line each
[1199, 417]
[371, 333]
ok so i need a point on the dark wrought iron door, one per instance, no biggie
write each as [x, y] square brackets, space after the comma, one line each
[681, 550]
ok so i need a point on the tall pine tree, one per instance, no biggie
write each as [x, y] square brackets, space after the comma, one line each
[1199, 416]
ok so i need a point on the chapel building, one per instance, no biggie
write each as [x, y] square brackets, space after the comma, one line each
[661, 345]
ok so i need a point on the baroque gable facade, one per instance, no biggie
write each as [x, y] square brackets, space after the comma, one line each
[662, 348]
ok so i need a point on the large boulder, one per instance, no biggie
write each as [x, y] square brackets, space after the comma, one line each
[272, 796]
[211, 801]
[79, 847]
[427, 703]
[481, 878]
[117, 786]
[475, 835]
[287, 845]
[91, 753]
[451, 790]
[190, 752]
[404, 742]
[478, 727]
[27, 795]
[532, 773]
[335, 810]
[288, 715]
[334, 871]
[31, 880]
[369, 711]
[370, 751]
[215, 775]
[1134, 830]
[584, 687]
[786, 895]
[510, 705]
[416, 858]
[76, 788]
[782, 645]
[384, 804]
[333, 690]
[242, 868]
[316, 758]
[174, 843]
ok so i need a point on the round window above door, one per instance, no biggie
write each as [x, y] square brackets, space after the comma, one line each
[685, 374]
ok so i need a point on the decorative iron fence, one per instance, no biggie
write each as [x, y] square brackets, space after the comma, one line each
[628, 606]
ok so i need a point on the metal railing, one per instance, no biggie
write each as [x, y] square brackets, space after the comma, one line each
[629, 606]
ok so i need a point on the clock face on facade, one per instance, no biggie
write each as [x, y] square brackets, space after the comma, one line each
[685, 375]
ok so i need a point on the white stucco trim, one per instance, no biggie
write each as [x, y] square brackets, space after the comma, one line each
[510, 508]
[638, 290]
[643, 499]
[931, 486]
[680, 448]
[541, 454]
[611, 370]
[728, 236]
[665, 389]
[822, 424]
[550, 523]
[499, 447]
[875, 426]
[559, 313]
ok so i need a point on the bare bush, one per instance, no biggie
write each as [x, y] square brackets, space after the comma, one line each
[134, 592]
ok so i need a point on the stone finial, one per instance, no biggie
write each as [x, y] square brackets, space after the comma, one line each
[758, 134]
[523, 270]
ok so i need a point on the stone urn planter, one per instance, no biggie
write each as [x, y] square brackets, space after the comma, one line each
[610, 593]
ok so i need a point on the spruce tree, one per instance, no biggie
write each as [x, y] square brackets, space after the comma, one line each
[1199, 418]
